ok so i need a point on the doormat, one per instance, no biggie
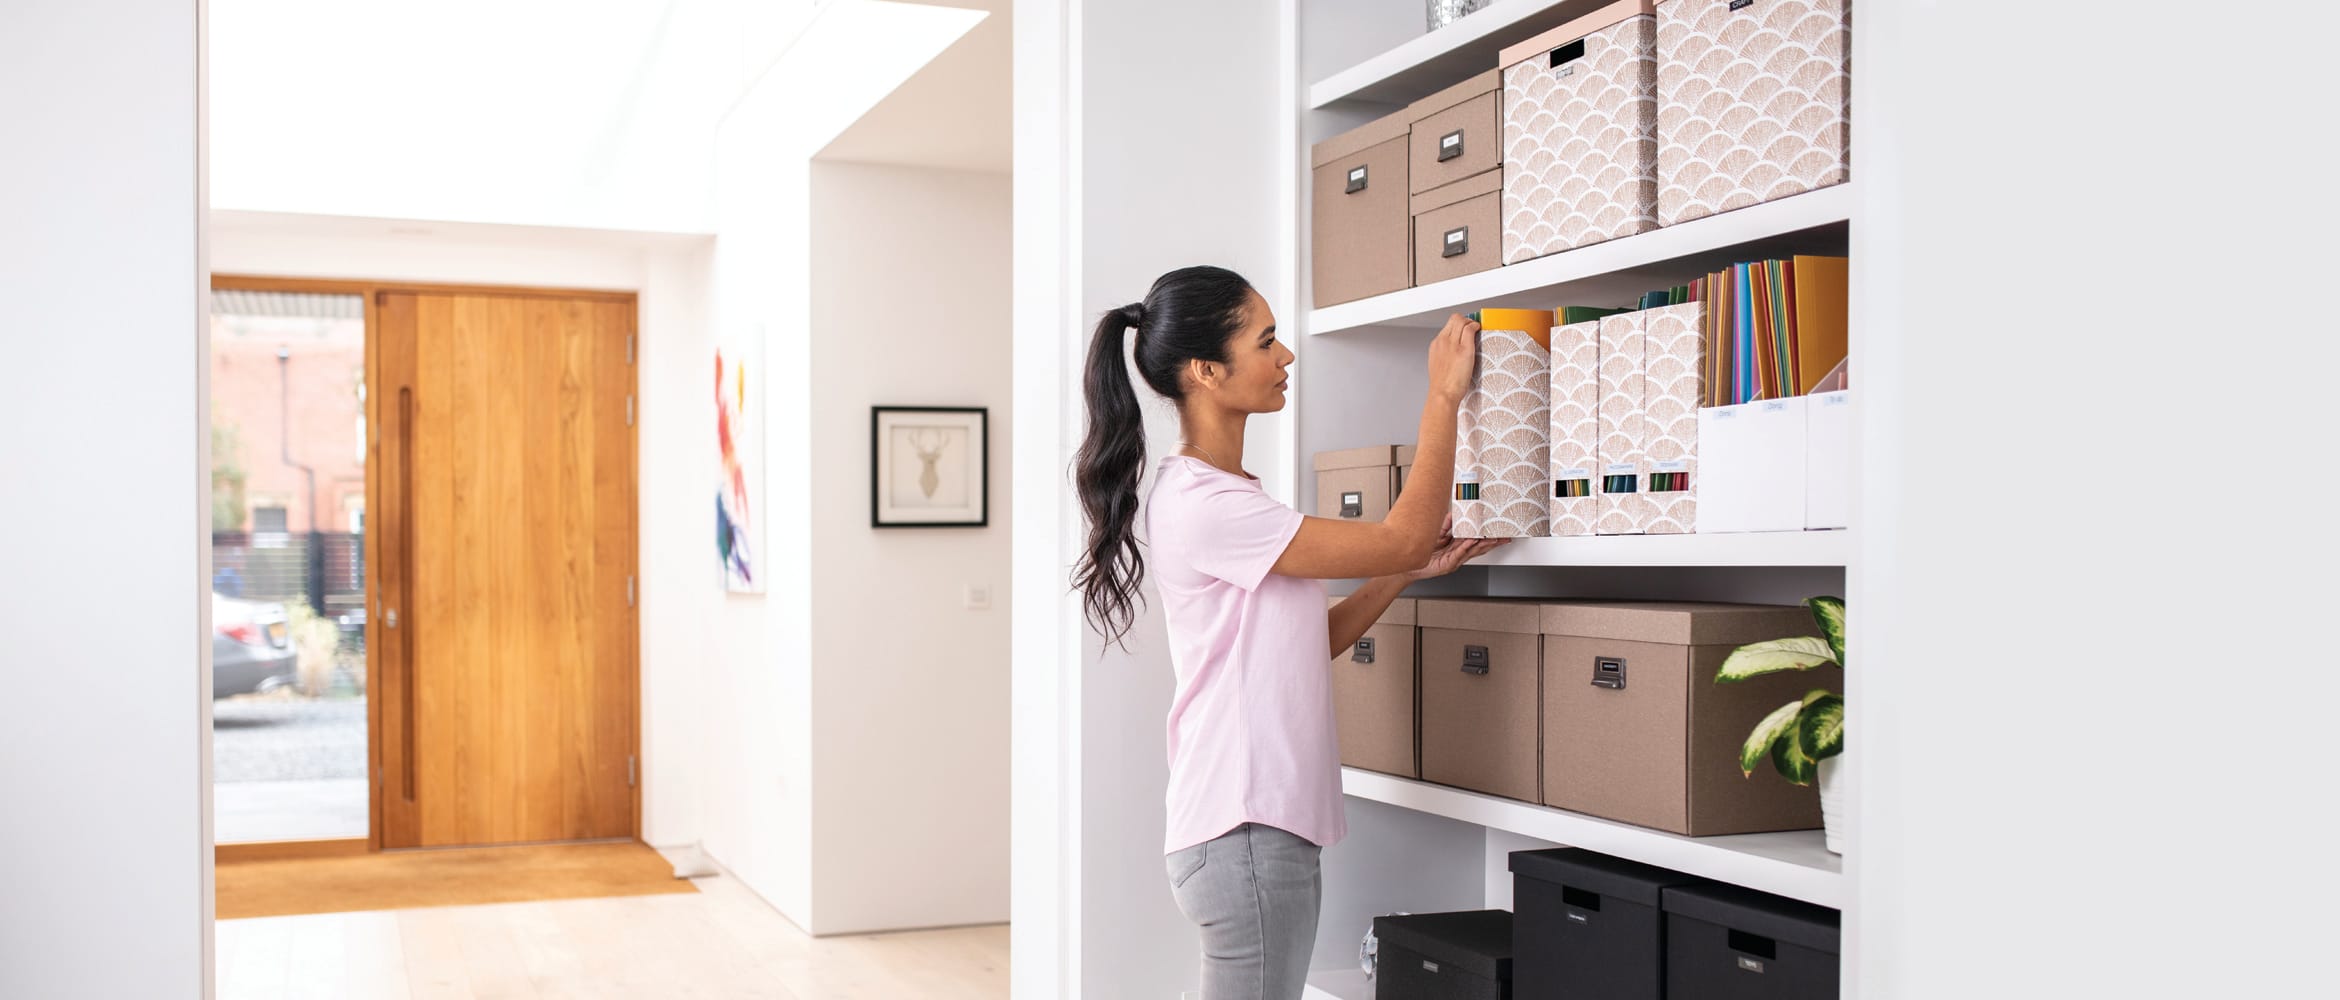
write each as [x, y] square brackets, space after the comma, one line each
[400, 880]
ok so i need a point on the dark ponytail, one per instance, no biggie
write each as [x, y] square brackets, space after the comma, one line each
[1188, 315]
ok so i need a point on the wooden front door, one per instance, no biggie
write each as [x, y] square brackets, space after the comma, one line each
[506, 554]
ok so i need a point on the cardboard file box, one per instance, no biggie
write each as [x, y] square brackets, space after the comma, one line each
[1444, 956]
[1361, 214]
[1456, 133]
[1373, 687]
[1358, 484]
[1576, 427]
[1622, 509]
[1458, 229]
[1724, 942]
[1752, 459]
[1751, 102]
[1503, 428]
[1580, 133]
[1828, 497]
[1674, 381]
[1587, 926]
[1479, 709]
[1636, 730]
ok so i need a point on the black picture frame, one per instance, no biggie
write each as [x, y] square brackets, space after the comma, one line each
[878, 517]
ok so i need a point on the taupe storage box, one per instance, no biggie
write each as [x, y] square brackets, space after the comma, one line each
[1458, 229]
[1580, 133]
[1359, 484]
[1479, 705]
[1457, 133]
[1751, 102]
[1361, 215]
[1636, 730]
[1373, 687]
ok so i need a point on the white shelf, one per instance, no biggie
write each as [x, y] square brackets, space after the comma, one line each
[1338, 984]
[1754, 548]
[1439, 59]
[1609, 272]
[1796, 865]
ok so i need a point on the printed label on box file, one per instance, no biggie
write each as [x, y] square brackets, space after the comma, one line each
[1835, 399]
[1775, 406]
[1675, 465]
[1723, 412]
[1749, 964]
[1624, 469]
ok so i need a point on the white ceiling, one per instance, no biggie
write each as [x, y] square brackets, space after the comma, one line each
[955, 114]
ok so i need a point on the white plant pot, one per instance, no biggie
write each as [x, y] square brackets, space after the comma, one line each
[1835, 804]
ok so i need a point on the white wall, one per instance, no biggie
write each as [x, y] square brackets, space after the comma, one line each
[2092, 722]
[676, 426]
[909, 307]
[105, 732]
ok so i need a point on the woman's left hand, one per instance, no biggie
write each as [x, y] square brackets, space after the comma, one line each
[1452, 552]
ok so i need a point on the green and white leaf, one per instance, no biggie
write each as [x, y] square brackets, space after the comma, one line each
[1780, 723]
[1788, 756]
[1820, 728]
[1757, 659]
[1829, 612]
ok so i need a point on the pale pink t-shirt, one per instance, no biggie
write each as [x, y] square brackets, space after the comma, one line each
[1251, 728]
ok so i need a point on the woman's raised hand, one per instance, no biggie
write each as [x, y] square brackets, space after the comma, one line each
[1454, 358]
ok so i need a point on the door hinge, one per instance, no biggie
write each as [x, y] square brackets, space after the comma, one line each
[629, 348]
[629, 411]
[629, 592]
[629, 770]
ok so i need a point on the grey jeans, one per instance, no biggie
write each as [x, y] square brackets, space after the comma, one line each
[1254, 891]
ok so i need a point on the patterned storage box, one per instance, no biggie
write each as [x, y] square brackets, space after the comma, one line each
[1751, 102]
[1502, 449]
[1673, 349]
[1580, 133]
[1576, 427]
[1622, 509]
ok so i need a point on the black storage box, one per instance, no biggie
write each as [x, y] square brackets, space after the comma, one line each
[1587, 926]
[1444, 956]
[1728, 943]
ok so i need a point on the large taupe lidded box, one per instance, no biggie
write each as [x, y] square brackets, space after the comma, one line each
[1373, 688]
[1635, 728]
[1751, 102]
[1359, 484]
[1361, 214]
[1457, 133]
[1479, 706]
[1580, 133]
[1458, 229]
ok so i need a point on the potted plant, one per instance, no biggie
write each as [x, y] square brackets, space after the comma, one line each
[1803, 737]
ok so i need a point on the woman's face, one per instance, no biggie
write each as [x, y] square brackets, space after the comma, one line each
[1255, 379]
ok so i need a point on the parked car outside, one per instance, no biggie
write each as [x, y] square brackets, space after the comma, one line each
[251, 646]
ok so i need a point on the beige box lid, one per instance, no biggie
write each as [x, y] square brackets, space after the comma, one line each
[1678, 623]
[1582, 27]
[1463, 190]
[1359, 458]
[1484, 83]
[1361, 138]
[1405, 454]
[1481, 614]
[1402, 611]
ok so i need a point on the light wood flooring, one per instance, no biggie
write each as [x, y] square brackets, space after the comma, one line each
[722, 941]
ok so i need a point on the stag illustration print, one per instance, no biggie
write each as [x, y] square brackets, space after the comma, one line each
[928, 442]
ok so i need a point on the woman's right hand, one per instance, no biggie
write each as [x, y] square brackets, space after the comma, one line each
[1454, 358]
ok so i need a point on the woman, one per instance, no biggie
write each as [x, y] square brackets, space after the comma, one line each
[1255, 791]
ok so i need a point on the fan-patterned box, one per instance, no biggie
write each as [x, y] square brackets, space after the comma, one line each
[1580, 116]
[1502, 427]
[1752, 102]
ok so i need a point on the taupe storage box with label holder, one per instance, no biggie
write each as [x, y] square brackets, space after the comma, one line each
[1458, 229]
[1725, 942]
[1580, 133]
[1361, 215]
[1457, 133]
[1751, 102]
[1479, 705]
[1373, 688]
[1359, 484]
[1635, 729]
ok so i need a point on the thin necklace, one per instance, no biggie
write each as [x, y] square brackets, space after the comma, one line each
[1206, 452]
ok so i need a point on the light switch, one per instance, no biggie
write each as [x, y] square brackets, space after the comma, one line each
[978, 598]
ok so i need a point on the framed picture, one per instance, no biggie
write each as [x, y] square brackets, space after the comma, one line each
[929, 467]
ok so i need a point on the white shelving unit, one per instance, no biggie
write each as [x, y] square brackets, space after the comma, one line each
[1611, 271]
[1353, 60]
[1795, 865]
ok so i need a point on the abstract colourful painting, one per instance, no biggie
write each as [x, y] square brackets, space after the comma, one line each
[738, 419]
